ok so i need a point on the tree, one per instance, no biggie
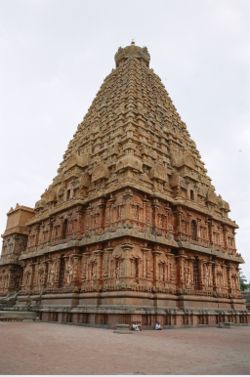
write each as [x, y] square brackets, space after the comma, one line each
[244, 285]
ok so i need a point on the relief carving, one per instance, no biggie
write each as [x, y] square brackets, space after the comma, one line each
[69, 271]
[188, 273]
[5, 281]
[207, 275]
[40, 276]
[53, 273]
[27, 277]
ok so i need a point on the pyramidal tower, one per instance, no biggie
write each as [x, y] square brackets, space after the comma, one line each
[131, 228]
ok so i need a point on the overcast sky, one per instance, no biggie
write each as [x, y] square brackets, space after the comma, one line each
[55, 54]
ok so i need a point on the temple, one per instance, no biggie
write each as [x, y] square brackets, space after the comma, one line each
[131, 228]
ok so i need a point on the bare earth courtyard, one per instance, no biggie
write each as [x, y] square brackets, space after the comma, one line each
[47, 348]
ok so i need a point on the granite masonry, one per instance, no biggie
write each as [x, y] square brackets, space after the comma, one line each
[131, 228]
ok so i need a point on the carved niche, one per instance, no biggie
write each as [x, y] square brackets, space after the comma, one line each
[27, 277]
[53, 272]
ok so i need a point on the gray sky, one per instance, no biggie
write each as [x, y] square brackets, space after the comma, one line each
[55, 55]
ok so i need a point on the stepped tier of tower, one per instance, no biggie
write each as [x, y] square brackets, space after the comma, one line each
[130, 221]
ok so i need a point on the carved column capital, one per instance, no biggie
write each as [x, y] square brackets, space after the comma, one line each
[127, 246]
[145, 249]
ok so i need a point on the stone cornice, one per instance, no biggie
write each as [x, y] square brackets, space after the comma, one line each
[15, 230]
[132, 233]
[211, 251]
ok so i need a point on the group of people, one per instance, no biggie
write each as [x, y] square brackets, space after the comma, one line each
[136, 326]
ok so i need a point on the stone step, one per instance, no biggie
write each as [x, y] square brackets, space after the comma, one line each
[123, 329]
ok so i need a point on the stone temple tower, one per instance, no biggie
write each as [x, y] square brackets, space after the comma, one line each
[131, 228]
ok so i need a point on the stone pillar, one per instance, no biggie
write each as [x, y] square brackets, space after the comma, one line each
[178, 215]
[224, 229]
[51, 223]
[201, 283]
[229, 283]
[79, 215]
[99, 255]
[145, 252]
[32, 275]
[56, 262]
[9, 280]
[112, 215]
[84, 270]
[170, 221]
[107, 218]
[145, 204]
[237, 279]
[155, 254]
[210, 274]
[82, 214]
[155, 207]
[106, 262]
[37, 234]
[102, 207]
[127, 196]
[46, 263]
[76, 264]
[198, 229]
[87, 218]
[214, 276]
[200, 273]
[210, 230]
[167, 209]
[180, 269]
[126, 248]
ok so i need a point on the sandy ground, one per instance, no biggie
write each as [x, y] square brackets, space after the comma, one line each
[47, 348]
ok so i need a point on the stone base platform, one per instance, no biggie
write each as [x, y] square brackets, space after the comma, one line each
[170, 319]
[16, 315]
[110, 309]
